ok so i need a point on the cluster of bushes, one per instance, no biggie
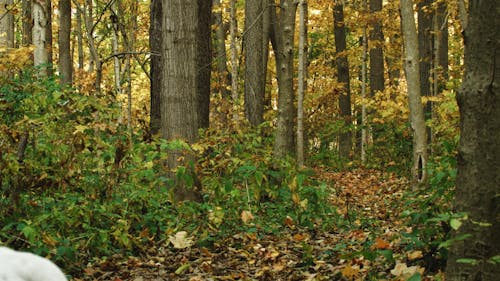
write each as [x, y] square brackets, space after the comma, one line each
[74, 183]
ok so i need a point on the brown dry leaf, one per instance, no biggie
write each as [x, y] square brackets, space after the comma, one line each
[289, 222]
[350, 272]
[401, 270]
[246, 217]
[413, 255]
[380, 244]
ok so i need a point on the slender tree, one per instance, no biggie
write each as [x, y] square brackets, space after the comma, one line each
[6, 24]
[254, 72]
[204, 60]
[65, 60]
[345, 141]
[156, 68]
[425, 13]
[234, 59]
[223, 75]
[376, 51]
[282, 38]
[412, 72]
[27, 22]
[478, 177]
[40, 55]
[301, 87]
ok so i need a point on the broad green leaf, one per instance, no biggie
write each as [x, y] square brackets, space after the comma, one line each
[468, 261]
[455, 223]
[415, 277]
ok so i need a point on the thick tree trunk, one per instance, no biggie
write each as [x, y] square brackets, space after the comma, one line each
[376, 53]
[412, 72]
[180, 84]
[204, 60]
[283, 30]
[156, 69]
[254, 72]
[345, 140]
[65, 61]
[478, 177]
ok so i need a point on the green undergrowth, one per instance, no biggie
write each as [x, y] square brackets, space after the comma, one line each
[76, 186]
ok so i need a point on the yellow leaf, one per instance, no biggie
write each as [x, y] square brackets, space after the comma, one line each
[350, 272]
[414, 255]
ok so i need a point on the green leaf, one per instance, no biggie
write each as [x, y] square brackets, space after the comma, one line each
[182, 268]
[468, 261]
[415, 277]
[494, 259]
[455, 223]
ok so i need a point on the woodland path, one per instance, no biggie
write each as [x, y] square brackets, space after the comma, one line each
[294, 254]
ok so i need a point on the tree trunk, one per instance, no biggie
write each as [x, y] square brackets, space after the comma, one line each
[266, 31]
[234, 59]
[376, 53]
[412, 72]
[179, 93]
[27, 24]
[114, 45]
[302, 85]
[6, 24]
[156, 69]
[345, 141]
[223, 75]
[40, 55]
[254, 72]
[65, 61]
[425, 14]
[478, 177]
[79, 37]
[48, 34]
[204, 60]
[283, 31]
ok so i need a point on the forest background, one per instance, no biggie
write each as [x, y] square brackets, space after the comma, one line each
[172, 129]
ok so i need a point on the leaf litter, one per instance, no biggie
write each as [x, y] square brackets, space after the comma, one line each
[367, 248]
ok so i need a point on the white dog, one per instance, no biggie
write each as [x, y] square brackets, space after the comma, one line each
[23, 266]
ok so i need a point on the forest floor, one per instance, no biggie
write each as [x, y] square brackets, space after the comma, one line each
[297, 254]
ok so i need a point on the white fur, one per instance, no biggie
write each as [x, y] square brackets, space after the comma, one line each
[23, 266]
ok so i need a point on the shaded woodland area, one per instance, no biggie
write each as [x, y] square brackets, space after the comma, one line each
[252, 140]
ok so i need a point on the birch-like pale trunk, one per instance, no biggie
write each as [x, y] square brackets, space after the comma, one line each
[412, 72]
[40, 55]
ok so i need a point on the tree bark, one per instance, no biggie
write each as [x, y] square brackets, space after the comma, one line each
[223, 75]
[412, 71]
[156, 69]
[478, 177]
[180, 84]
[425, 14]
[254, 72]
[204, 59]
[302, 82]
[345, 141]
[234, 59]
[283, 31]
[65, 60]
[40, 55]
[27, 24]
[6, 24]
[376, 52]
[79, 37]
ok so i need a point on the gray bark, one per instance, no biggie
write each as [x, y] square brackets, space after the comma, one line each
[478, 177]
[65, 60]
[40, 55]
[283, 25]
[412, 72]
[27, 23]
[345, 140]
[204, 59]
[254, 72]
[223, 75]
[302, 82]
[6, 24]
[376, 52]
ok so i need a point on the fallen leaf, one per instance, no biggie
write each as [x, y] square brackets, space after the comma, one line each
[413, 255]
[181, 240]
[350, 272]
[381, 244]
[246, 217]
